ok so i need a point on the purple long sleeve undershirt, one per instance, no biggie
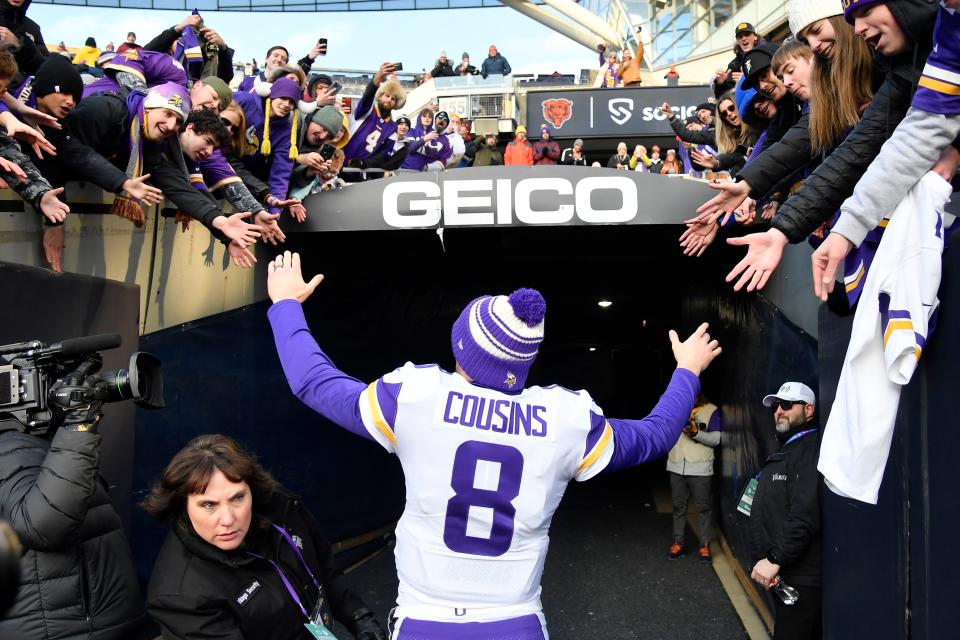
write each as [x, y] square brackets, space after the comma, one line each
[639, 441]
[316, 381]
[311, 374]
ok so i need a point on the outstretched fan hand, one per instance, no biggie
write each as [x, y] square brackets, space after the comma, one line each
[764, 251]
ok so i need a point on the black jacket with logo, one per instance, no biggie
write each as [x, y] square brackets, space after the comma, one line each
[77, 575]
[785, 516]
[199, 591]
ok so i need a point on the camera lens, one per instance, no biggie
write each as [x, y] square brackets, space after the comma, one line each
[141, 382]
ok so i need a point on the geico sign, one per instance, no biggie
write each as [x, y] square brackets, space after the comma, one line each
[602, 200]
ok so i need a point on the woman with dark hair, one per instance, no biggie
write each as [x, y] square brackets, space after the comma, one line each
[244, 558]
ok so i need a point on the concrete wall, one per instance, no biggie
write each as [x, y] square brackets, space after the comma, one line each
[182, 276]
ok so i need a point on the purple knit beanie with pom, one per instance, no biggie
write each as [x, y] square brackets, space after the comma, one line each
[496, 338]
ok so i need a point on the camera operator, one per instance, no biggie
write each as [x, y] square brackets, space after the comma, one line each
[77, 574]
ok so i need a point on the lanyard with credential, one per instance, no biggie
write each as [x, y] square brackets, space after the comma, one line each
[797, 436]
[283, 577]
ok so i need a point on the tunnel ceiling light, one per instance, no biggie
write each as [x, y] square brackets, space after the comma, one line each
[593, 348]
[603, 304]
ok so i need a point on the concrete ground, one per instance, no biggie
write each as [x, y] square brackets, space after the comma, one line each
[606, 574]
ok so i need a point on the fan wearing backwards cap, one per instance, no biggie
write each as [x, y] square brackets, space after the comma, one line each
[486, 458]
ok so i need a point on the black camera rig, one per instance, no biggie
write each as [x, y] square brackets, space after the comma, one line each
[39, 382]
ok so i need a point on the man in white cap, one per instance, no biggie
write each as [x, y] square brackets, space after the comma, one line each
[783, 503]
[486, 458]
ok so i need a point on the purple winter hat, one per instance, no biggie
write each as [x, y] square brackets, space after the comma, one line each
[286, 88]
[850, 7]
[496, 338]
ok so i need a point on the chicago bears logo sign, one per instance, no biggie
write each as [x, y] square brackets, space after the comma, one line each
[557, 111]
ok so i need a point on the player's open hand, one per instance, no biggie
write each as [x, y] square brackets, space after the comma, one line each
[285, 281]
[696, 352]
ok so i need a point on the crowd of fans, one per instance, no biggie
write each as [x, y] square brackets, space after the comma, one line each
[129, 120]
[493, 64]
[165, 116]
[162, 121]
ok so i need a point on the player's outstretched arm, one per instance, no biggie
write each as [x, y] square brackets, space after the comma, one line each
[311, 375]
[639, 441]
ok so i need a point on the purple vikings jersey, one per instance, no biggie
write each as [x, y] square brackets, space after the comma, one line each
[150, 67]
[485, 470]
[434, 151]
[939, 87]
[369, 133]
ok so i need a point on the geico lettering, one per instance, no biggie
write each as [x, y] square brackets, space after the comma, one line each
[525, 213]
[628, 199]
[454, 201]
[488, 202]
[418, 212]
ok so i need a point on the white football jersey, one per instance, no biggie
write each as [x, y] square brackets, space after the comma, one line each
[890, 330]
[485, 471]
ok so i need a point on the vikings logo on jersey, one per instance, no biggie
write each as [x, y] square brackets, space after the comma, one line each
[252, 138]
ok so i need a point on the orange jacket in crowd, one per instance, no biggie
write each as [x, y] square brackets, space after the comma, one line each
[629, 71]
[518, 153]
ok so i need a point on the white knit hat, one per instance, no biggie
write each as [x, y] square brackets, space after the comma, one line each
[803, 13]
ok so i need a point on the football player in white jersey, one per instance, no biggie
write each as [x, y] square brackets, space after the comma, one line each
[486, 459]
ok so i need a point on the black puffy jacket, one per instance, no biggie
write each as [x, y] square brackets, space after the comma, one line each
[77, 575]
[199, 591]
[785, 516]
[834, 180]
[32, 50]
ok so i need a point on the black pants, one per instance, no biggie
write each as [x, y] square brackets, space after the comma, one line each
[801, 620]
[701, 487]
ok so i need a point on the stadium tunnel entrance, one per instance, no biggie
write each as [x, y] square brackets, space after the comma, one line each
[391, 296]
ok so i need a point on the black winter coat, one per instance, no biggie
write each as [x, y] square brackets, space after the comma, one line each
[77, 575]
[442, 70]
[199, 591]
[776, 161]
[32, 50]
[704, 136]
[99, 128]
[834, 180]
[785, 516]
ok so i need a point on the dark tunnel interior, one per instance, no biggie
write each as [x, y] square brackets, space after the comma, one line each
[390, 297]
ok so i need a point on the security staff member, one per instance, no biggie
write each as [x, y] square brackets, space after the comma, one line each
[785, 514]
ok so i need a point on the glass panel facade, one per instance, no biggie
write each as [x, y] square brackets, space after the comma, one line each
[678, 25]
